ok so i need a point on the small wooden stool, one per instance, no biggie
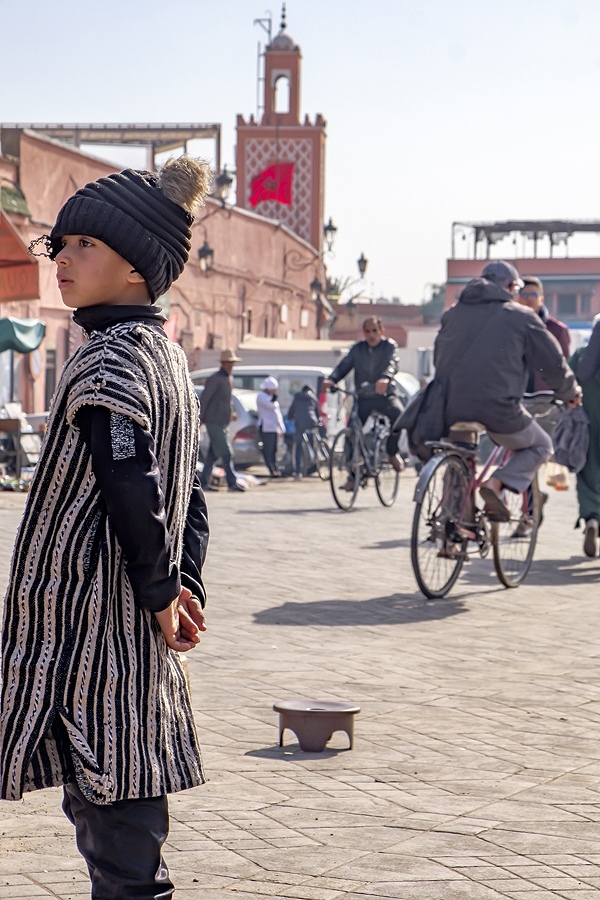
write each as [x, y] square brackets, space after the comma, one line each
[314, 721]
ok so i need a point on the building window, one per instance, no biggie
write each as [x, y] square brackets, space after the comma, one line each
[50, 377]
[567, 304]
[283, 313]
[586, 303]
[282, 95]
[304, 318]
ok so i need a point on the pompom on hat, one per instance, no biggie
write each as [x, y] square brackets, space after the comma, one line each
[145, 217]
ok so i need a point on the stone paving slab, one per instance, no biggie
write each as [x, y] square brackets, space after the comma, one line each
[475, 773]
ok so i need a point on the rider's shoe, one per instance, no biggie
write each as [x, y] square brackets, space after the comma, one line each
[590, 541]
[494, 504]
[349, 486]
[396, 462]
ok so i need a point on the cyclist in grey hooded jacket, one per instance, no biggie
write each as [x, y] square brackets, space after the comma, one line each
[482, 353]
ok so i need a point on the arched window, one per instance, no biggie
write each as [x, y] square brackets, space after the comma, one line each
[282, 95]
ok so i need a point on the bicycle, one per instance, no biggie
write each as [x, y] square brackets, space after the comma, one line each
[355, 457]
[447, 517]
[315, 453]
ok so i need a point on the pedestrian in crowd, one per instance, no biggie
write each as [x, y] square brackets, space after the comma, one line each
[106, 587]
[270, 422]
[532, 296]
[304, 413]
[585, 362]
[216, 412]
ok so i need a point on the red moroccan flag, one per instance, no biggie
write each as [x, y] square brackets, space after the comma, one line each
[275, 183]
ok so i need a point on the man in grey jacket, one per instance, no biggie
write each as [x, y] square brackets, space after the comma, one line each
[216, 412]
[482, 354]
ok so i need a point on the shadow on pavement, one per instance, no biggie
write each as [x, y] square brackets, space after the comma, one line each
[293, 751]
[290, 512]
[573, 571]
[396, 609]
[387, 545]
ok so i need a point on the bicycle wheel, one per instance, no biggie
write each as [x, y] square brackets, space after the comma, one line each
[514, 541]
[386, 477]
[436, 547]
[305, 460]
[321, 458]
[344, 469]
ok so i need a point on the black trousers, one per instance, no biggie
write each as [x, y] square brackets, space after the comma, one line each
[121, 844]
[269, 449]
[387, 406]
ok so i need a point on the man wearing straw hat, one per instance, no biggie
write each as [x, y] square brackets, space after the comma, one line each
[216, 411]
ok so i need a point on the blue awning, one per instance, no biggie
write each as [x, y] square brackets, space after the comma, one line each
[22, 335]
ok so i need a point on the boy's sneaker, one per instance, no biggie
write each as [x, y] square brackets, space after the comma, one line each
[236, 488]
[209, 487]
[590, 541]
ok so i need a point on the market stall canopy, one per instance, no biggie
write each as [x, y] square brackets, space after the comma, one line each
[22, 335]
[18, 270]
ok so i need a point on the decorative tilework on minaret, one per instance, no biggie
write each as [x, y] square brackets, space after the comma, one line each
[280, 161]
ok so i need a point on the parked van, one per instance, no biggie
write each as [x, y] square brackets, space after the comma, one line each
[291, 379]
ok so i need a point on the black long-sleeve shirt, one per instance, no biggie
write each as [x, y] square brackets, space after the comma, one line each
[134, 503]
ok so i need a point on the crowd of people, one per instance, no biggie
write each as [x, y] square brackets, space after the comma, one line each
[498, 342]
[106, 589]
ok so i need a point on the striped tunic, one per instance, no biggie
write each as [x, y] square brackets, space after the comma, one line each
[88, 682]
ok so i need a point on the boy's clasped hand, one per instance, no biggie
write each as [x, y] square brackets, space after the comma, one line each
[182, 621]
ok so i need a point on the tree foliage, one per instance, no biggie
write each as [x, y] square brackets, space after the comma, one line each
[433, 308]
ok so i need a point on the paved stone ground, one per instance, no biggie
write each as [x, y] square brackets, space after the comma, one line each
[476, 768]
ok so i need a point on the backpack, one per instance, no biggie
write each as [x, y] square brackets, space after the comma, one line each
[423, 419]
[572, 438]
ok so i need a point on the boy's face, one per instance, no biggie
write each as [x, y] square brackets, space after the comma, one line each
[90, 273]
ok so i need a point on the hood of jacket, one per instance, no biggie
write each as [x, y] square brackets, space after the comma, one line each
[480, 290]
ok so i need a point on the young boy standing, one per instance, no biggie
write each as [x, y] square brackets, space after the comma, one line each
[106, 577]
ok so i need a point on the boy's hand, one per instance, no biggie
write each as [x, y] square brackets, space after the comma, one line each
[182, 622]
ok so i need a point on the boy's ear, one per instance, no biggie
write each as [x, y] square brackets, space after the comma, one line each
[135, 277]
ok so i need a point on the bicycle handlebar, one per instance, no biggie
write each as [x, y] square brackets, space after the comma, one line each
[334, 389]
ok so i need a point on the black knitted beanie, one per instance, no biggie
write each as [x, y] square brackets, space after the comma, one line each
[145, 217]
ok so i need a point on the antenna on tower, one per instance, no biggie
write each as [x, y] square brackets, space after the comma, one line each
[283, 22]
[267, 26]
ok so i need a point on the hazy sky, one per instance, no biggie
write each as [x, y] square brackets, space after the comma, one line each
[436, 110]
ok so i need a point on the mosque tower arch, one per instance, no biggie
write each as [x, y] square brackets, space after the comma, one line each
[280, 160]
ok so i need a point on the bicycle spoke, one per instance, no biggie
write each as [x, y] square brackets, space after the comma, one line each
[437, 549]
[514, 541]
[344, 469]
[387, 479]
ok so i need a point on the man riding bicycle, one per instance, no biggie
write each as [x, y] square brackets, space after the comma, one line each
[375, 363]
[482, 356]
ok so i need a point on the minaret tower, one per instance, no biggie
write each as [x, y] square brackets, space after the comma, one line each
[280, 161]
